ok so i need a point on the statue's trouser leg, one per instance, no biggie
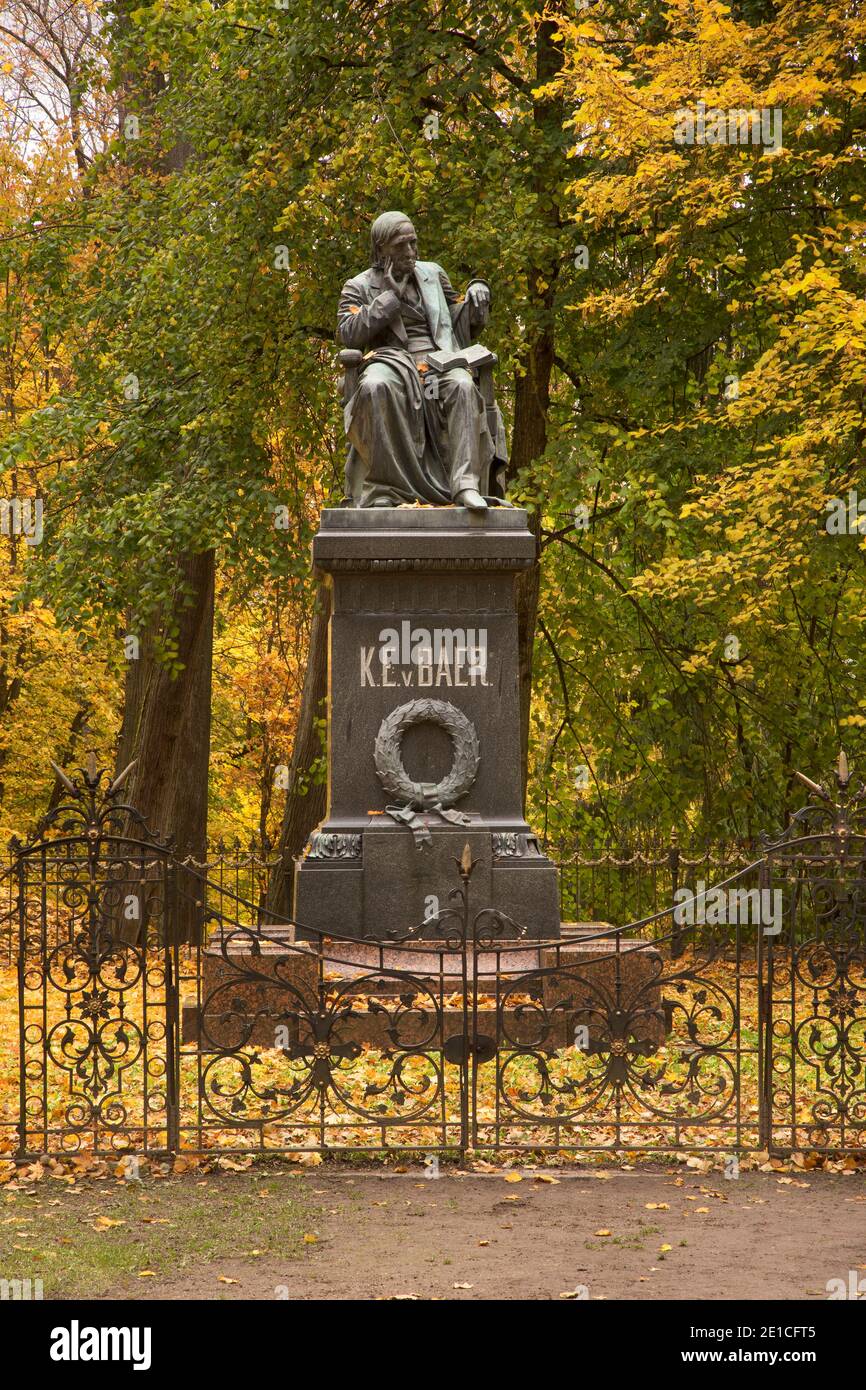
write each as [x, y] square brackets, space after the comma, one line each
[469, 444]
[381, 432]
[378, 429]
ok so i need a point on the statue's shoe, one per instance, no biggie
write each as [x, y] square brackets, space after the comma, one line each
[382, 502]
[471, 499]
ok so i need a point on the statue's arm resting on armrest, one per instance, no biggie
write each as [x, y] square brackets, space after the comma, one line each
[469, 312]
[359, 324]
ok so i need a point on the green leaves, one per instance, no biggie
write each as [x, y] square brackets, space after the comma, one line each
[715, 419]
[709, 359]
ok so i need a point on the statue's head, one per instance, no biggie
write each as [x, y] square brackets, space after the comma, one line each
[392, 238]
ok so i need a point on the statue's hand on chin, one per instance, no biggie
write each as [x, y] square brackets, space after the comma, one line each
[393, 280]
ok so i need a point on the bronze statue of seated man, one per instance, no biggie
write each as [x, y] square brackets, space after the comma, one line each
[418, 432]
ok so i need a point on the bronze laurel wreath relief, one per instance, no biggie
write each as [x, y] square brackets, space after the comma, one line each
[389, 761]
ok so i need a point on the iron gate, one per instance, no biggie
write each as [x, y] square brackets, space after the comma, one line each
[814, 978]
[96, 985]
[719, 1024]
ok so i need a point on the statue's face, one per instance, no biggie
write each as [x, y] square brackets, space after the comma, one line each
[402, 249]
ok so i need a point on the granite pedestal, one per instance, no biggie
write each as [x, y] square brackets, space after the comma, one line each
[423, 725]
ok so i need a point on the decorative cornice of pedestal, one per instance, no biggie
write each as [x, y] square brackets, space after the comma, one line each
[431, 563]
[516, 845]
[423, 538]
[331, 845]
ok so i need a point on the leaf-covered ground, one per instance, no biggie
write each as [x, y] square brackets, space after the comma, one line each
[563, 1103]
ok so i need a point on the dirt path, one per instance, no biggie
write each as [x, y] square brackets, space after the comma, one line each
[392, 1236]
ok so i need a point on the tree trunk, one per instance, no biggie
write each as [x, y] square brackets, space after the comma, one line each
[166, 719]
[531, 402]
[305, 800]
[166, 727]
[532, 386]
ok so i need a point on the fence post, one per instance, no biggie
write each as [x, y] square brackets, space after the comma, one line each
[20, 966]
[765, 1024]
[674, 866]
[171, 950]
[468, 1051]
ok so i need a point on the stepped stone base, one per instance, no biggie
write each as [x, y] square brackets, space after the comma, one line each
[246, 998]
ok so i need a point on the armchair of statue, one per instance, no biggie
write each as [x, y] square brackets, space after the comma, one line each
[350, 360]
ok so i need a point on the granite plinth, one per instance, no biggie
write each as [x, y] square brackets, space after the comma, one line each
[578, 983]
[423, 632]
[251, 985]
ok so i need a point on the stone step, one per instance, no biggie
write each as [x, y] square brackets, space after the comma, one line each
[244, 993]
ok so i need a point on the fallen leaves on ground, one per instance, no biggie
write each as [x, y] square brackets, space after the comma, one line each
[512, 1108]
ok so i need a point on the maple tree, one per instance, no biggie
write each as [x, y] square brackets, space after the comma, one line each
[51, 688]
[703, 626]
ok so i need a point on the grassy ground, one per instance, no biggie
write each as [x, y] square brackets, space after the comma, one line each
[114, 1237]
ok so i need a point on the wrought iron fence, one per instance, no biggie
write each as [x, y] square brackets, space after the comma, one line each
[606, 883]
[232, 869]
[616, 883]
[731, 1018]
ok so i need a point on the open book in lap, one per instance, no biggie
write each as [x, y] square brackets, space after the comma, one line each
[469, 357]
